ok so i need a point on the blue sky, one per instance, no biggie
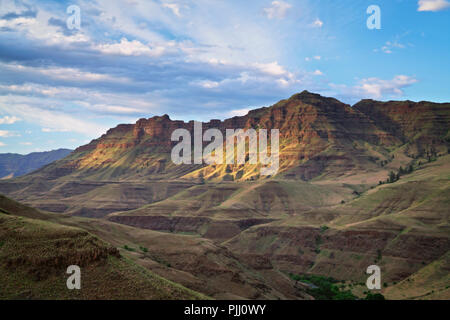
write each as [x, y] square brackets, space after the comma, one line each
[204, 59]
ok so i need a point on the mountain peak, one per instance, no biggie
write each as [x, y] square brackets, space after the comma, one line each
[310, 97]
[305, 94]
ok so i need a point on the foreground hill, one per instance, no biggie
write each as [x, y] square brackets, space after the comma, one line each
[35, 253]
[15, 165]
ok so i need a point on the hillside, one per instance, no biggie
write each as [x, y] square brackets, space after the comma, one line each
[357, 185]
[15, 165]
[321, 139]
[35, 253]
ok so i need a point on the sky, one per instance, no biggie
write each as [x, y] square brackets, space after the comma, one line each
[62, 86]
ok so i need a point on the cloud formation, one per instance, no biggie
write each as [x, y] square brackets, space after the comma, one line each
[317, 23]
[375, 88]
[277, 10]
[191, 59]
[9, 120]
[433, 5]
[174, 7]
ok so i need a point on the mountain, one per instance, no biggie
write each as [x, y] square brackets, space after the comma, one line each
[320, 139]
[14, 165]
[357, 185]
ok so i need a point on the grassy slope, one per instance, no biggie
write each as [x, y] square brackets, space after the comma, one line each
[430, 282]
[187, 260]
[402, 227]
[192, 261]
[34, 255]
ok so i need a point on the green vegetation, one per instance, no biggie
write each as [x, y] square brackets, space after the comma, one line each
[379, 256]
[374, 296]
[393, 177]
[324, 288]
[34, 256]
[143, 249]
[128, 248]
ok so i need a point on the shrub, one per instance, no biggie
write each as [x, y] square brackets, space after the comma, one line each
[325, 288]
[374, 296]
[143, 249]
[128, 248]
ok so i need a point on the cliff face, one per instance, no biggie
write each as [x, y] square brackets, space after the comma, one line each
[321, 139]
[318, 136]
[422, 126]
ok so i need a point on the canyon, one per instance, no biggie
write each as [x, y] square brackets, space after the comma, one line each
[229, 232]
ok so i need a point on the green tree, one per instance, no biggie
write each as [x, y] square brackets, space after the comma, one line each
[392, 177]
[374, 296]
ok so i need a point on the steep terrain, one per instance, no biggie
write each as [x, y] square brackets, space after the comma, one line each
[35, 253]
[15, 165]
[360, 185]
[320, 139]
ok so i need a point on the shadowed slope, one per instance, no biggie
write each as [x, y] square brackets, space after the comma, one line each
[34, 256]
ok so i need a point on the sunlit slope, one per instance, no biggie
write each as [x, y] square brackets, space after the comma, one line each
[316, 133]
[322, 140]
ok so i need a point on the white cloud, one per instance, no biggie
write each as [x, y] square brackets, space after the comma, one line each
[208, 84]
[278, 10]
[91, 99]
[389, 46]
[9, 120]
[60, 73]
[317, 23]
[273, 69]
[376, 88]
[2, 144]
[130, 48]
[38, 28]
[52, 120]
[26, 143]
[238, 112]
[311, 58]
[53, 130]
[115, 109]
[433, 5]
[174, 7]
[318, 73]
[7, 134]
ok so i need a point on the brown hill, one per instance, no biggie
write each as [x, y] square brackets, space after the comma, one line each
[35, 253]
[320, 138]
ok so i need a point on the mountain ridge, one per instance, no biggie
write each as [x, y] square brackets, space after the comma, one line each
[320, 139]
[14, 164]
